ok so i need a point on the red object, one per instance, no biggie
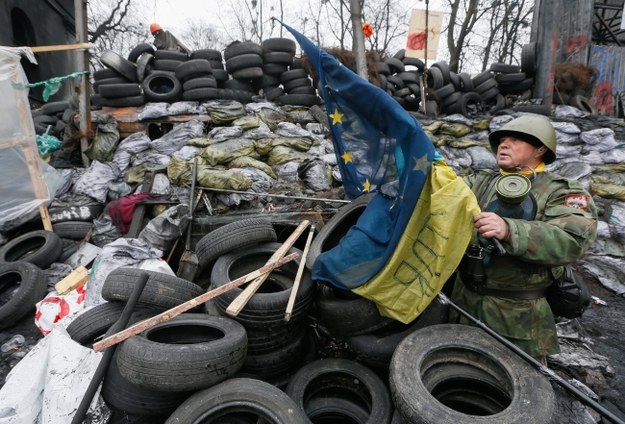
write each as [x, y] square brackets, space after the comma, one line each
[416, 40]
[367, 30]
[121, 210]
[155, 28]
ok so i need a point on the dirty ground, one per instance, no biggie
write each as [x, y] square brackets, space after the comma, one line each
[600, 326]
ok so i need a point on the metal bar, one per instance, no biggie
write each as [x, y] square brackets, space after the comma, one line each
[190, 304]
[279, 196]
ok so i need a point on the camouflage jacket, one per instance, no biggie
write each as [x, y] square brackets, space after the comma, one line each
[563, 229]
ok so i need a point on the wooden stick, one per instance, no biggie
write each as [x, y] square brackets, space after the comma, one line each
[61, 47]
[190, 304]
[298, 277]
[239, 303]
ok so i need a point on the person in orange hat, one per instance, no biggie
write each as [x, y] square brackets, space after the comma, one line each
[165, 40]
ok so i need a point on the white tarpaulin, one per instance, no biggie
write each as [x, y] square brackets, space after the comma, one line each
[48, 385]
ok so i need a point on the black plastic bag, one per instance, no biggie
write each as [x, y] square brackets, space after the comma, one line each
[568, 295]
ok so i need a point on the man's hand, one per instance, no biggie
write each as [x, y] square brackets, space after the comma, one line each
[491, 225]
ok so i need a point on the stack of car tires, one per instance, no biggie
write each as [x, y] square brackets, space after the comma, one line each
[117, 85]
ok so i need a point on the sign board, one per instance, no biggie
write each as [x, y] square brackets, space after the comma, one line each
[418, 34]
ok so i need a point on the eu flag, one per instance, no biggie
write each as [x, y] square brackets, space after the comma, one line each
[380, 148]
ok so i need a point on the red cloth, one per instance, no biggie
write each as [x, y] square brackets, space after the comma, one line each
[122, 209]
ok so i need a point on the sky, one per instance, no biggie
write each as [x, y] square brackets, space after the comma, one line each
[173, 14]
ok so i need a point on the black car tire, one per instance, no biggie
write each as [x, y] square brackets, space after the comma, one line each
[22, 285]
[452, 373]
[236, 398]
[188, 352]
[162, 290]
[40, 247]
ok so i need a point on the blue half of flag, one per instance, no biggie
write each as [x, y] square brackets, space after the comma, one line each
[381, 148]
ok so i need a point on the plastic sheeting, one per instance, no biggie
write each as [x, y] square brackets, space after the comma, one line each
[119, 253]
[178, 137]
[49, 383]
[19, 159]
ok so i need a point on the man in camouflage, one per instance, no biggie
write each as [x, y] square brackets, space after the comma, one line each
[509, 295]
[165, 40]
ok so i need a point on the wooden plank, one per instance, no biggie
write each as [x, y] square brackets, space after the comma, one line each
[241, 300]
[177, 310]
[45, 218]
[61, 47]
[75, 279]
[298, 277]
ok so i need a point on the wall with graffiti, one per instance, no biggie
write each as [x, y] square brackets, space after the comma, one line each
[609, 61]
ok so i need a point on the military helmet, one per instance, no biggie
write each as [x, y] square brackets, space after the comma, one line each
[534, 129]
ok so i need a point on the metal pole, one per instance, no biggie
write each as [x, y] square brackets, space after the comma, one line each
[82, 64]
[359, 39]
[584, 398]
[422, 105]
[277, 196]
[100, 372]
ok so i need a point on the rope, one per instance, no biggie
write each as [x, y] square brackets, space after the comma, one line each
[53, 85]
[47, 143]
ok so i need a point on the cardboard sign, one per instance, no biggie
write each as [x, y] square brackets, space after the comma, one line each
[419, 36]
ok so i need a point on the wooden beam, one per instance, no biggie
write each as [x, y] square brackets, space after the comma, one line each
[73, 280]
[241, 300]
[190, 304]
[60, 47]
[298, 277]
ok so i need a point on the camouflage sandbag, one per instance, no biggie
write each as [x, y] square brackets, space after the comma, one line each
[201, 142]
[103, 146]
[433, 127]
[224, 111]
[297, 143]
[272, 118]
[465, 143]
[298, 114]
[617, 167]
[136, 174]
[247, 122]
[481, 125]
[608, 191]
[283, 154]
[224, 152]
[263, 146]
[608, 178]
[248, 162]
[454, 129]
[227, 179]
[179, 171]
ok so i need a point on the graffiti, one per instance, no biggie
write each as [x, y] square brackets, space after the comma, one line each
[602, 97]
[576, 44]
[416, 40]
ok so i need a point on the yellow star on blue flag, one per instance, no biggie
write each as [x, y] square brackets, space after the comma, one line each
[380, 147]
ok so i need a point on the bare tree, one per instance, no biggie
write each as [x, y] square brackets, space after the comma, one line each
[482, 32]
[253, 19]
[390, 23]
[200, 35]
[114, 25]
[463, 18]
